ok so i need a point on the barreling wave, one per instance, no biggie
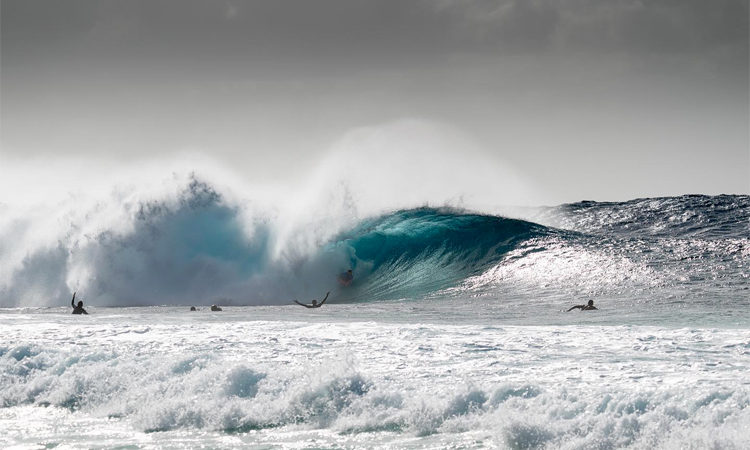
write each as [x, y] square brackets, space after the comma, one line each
[197, 247]
[415, 252]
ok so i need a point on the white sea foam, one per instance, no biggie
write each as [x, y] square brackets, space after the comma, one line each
[161, 376]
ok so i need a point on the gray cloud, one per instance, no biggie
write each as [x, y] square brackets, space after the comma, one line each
[706, 33]
[346, 30]
[280, 80]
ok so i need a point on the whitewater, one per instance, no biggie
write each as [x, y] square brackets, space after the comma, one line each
[454, 334]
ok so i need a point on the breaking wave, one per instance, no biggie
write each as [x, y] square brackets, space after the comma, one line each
[196, 246]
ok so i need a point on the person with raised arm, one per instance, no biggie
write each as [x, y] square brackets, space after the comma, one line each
[77, 309]
[314, 303]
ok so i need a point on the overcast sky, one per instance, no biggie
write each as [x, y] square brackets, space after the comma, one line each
[587, 99]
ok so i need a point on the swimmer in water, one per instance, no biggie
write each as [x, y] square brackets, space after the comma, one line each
[587, 307]
[345, 279]
[77, 309]
[314, 303]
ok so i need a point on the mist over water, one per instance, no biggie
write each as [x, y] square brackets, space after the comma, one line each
[167, 233]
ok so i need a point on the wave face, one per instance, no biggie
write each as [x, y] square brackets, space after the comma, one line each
[415, 252]
[196, 245]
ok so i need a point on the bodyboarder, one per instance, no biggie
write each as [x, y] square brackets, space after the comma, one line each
[346, 278]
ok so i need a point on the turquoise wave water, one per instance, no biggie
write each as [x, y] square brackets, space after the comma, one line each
[415, 252]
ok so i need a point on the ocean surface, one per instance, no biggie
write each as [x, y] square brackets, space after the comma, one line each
[454, 333]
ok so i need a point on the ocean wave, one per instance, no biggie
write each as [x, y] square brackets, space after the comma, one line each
[196, 245]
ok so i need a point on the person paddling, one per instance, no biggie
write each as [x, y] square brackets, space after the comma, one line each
[587, 307]
[77, 309]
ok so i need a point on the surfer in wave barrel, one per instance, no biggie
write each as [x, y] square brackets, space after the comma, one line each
[77, 309]
[314, 303]
[588, 307]
[346, 278]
